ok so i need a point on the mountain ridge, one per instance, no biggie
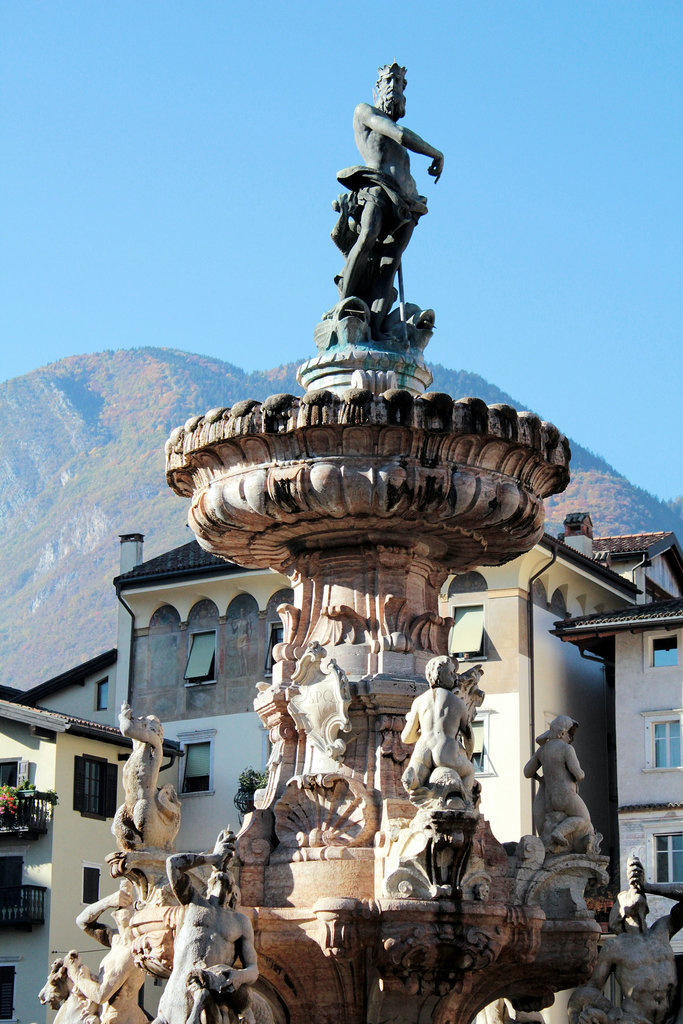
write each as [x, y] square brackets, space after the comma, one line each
[82, 461]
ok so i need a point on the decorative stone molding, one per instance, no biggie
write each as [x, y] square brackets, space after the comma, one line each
[321, 811]
[320, 706]
[430, 855]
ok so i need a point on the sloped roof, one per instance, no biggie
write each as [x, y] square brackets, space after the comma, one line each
[72, 677]
[630, 543]
[187, 560]
[58, 721]
[638, 616]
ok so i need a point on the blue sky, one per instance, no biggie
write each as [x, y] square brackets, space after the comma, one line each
[167, 170]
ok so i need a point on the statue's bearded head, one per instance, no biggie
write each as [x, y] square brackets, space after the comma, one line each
[222, 885]
[389, 90]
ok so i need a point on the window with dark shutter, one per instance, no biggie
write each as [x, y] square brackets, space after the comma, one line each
[111, 780]
[95, 787]
[79, 783]
[11, 870]
[9, 771]
[6, 992]
[91, 885]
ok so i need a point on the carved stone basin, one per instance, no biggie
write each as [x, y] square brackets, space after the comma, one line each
[291, 475]
[367, 502]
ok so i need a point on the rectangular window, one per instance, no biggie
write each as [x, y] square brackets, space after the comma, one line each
[201, 661]
[9, 773]
[6, 992]
[467, 634]
[102, 699]
[669, 857]
[275, 636]
[667, 744]
[11, 872]
[95, 782]
[665, 652]
[197, 774]
[91, 884]
[479, 755]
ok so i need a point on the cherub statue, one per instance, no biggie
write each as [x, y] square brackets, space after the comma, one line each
[439, 723]
[561, 818]
[640, 958]
[205, 986]
[150, 817]
[115, 988]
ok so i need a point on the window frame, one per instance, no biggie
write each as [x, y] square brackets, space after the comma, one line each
[188, 740]
[13, 854]
[6, 965]
[11, 761]
[664, 833]
[468, 655]
[196, 680]
[652, 718]
[273, 626]
[484, 719]
[109, 788]
[98, 690]
[669, 635]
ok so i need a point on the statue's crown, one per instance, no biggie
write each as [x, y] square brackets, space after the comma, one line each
[391, 71]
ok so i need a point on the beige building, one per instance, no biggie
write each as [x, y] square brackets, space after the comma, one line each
[503, 619]
[52, 859]
[643, 646]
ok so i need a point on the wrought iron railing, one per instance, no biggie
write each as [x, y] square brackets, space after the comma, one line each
[31, 815]
[22, 906]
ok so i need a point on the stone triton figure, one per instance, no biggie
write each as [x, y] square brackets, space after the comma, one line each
[205, 986]
[640, 958]
[115, 988]
[377, 218]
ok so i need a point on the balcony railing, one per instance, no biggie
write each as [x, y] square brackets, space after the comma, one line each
[22, 906]
[30, 819]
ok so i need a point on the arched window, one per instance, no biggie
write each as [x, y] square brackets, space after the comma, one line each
[558, 605]
[202, 624]
[467, 583]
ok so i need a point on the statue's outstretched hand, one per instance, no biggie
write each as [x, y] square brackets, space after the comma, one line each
[436, 167]
[225, 844]
[635, 873]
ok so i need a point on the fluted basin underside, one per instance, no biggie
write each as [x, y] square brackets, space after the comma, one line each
[271, 481]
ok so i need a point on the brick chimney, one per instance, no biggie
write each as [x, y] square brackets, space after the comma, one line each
[578, 532]
[131, 551]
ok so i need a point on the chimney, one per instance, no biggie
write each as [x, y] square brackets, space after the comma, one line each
[578, 533]
[131, 551]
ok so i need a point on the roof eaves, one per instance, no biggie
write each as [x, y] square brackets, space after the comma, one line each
[72, 677]
[127, 582]
[596, 568]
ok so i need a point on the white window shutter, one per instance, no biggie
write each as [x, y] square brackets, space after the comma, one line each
[22, 772]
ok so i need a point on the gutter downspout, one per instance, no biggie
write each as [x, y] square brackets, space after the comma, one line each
[130, 644]
[532, 671]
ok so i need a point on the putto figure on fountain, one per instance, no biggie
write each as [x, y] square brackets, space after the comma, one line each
[440, 772]
[431, 854]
